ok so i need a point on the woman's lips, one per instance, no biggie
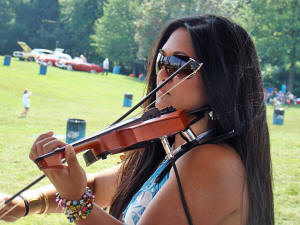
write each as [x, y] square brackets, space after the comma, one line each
[162, 92]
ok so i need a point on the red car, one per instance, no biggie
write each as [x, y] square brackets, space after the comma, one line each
[78, 64]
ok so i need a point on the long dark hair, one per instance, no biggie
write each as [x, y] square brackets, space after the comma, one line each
[233, 84]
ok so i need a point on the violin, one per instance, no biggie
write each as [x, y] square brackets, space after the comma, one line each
[119, 137]
[122, 137]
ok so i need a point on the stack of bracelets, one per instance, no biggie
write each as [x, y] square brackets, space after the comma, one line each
[77, 209]
[35, 203]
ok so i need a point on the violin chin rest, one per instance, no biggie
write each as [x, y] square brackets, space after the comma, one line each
[89, 157]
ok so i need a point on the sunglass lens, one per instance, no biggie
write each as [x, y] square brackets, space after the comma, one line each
[173, 63]
[185, 73]
[178, 61]
[158, 64]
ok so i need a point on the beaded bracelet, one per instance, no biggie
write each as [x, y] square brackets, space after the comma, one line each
[77, 209]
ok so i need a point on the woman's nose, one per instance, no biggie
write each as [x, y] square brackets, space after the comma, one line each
[162, 74]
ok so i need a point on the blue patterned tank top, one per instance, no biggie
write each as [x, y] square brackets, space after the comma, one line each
[143, 197]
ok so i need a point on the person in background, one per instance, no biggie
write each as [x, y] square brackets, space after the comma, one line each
[273, 97]
[26, 103]
[227, 182]
[290, 98]
[281, 97]
[105, 65]
[83, 58]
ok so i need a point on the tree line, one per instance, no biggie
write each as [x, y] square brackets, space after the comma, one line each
[124, 30]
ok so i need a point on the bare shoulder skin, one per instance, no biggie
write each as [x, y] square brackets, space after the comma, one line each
[214, 185]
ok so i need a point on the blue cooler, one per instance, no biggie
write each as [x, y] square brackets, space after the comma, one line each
[7, 60]
[75, 130]
[127, 102]
[278, 116]
[116, 70]
[43, 69]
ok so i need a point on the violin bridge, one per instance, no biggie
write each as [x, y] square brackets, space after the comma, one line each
[167, 147]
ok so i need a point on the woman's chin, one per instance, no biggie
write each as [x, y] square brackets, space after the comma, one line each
[161, 105]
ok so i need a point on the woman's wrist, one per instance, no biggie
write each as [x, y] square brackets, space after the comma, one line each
[45, 203]
[77, 209]
[36, 203]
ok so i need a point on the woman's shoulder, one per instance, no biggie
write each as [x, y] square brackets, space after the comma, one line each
[214, 186]
[214, 164]
[215, 157]
[215, 176]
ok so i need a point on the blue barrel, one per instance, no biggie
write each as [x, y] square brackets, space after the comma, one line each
[116, 70]
[127, 102]
[75, 130]
[278, 116]
[7, 60]
[43, 69]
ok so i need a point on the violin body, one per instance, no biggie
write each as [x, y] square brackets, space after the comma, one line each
[119, 140]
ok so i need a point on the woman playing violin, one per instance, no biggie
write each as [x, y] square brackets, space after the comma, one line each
[225, 183]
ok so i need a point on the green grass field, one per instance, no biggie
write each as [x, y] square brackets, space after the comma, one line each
[98, 99]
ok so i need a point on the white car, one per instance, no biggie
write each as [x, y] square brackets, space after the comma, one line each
[51, 60]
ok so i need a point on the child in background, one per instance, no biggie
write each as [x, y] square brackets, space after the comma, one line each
[26, 103]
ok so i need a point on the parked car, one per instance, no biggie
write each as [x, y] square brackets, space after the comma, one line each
[29, 54]
[78, 64]
[51, 60]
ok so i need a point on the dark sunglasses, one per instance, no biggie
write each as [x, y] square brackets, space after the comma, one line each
[173, 63]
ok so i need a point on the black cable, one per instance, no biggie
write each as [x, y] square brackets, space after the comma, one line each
[184, 204]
